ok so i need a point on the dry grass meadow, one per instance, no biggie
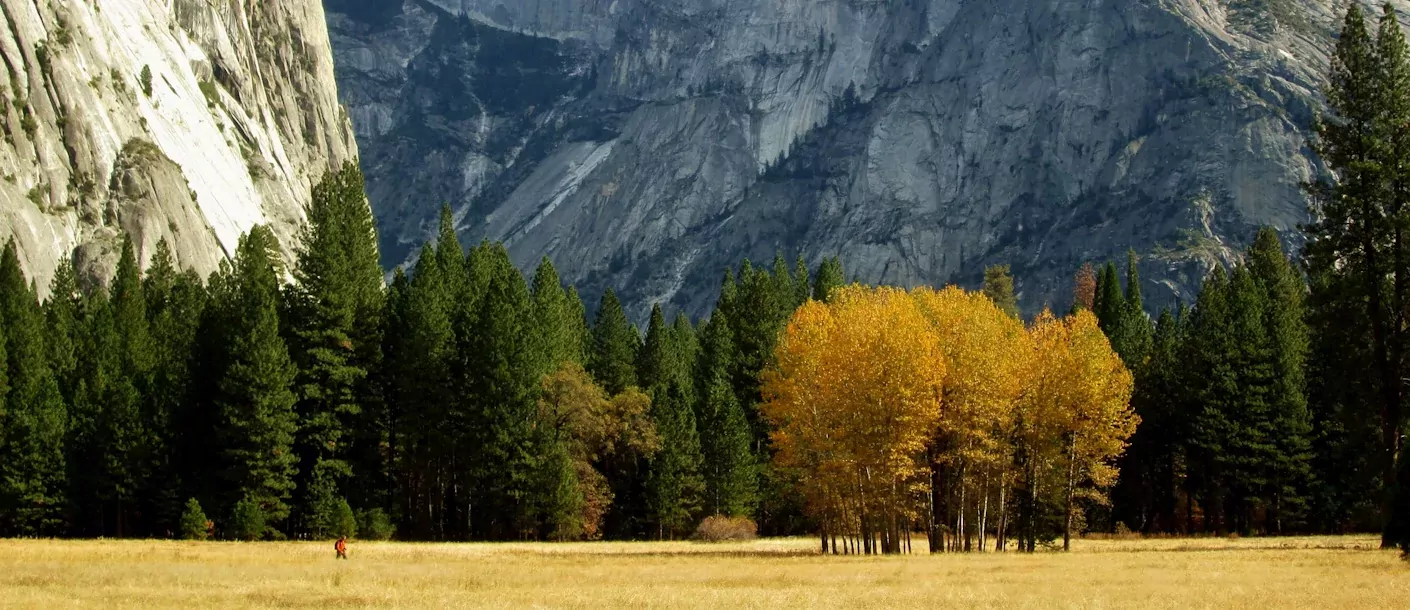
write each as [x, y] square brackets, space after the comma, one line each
[1322, 572]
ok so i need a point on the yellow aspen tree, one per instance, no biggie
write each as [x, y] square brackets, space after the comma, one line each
[1099, 417]
[985, 356]
[854, 398]
[1074, 419]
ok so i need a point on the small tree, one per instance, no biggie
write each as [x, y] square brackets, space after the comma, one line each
[146, 80]
[247, 521]
[194, 524]
[344, 524]
[374, 525]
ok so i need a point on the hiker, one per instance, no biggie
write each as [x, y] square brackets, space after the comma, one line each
[342, 547]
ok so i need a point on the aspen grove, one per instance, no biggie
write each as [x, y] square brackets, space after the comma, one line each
[937, 410]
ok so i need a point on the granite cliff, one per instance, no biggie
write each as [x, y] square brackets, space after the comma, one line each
[189, 120]
[646, 144]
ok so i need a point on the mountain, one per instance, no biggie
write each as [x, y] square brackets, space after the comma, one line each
[647, 144]
[190, 120]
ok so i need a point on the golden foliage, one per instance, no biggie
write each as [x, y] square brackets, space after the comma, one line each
[879, 394]
[595, 428]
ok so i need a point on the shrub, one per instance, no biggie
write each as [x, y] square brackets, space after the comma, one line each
[720, 528]
[211, 94]
[145, 79]
[247, 521]
[375, 525]
[194, 524]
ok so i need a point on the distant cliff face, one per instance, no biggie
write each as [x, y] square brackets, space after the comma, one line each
[189, 120]
[647, 144]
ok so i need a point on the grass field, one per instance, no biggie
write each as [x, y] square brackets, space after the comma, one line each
[1324, 572]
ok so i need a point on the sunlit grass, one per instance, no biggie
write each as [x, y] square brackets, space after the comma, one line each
[1314, 572]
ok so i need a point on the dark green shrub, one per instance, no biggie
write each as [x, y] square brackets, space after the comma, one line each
[375, 525]
[247, 521]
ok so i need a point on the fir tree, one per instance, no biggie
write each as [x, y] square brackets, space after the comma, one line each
[257, 422]
[335, 306]
[998, 286]
[421, 354]
[829, 277]
[557, 318]
[130, 442]
[1111, 304]
[728, 465]
[1132, 334]
[613, 361]
[674, 486]
[61, 313]
[654, 366]
[1356, 249]
[34, 418]
[505, 370]
[802, 286]
[1282, 292]
[175, 305]
[685, 351]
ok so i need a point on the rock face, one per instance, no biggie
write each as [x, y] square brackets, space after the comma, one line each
[189, 120]
[647, 144]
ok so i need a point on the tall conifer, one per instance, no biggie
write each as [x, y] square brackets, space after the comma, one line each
[257, 422]
[32, 467]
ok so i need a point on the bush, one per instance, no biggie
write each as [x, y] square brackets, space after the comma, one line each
[720, 528]
[194, 524]
[247, 521]
[211, 94]
[375, 525]
[145, 79]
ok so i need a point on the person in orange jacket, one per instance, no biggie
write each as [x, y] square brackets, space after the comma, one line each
[341, 546]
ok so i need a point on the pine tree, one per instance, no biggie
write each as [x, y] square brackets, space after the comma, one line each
[175, 304]
[613, 361]
[1111, 304]
[1133, 332]
[1146, 497]
[34, 419]
[729, 466]
[1289, 421]
[335, 306]
[685, 351]
[104, 417]
[255, 402]
[131, 444]
[785, 289]
[829, 278]
[61, 320]
[581, 335]
[505, 370]
[998, 286]
[421, 354]
[556, 317]
[1393, 86]
[674, 486]
[654, 366]
[1356, 249]
[802, 286]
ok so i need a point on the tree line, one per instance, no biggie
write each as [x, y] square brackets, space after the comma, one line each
[456, 402]
[1276, 404]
